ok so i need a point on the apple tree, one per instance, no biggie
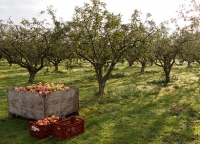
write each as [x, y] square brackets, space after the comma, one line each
[141, 53]
[190, 50]
[194, 47]
[99, 37]
[5, 45]
[60, 47]
[189, 13]
[166, 48]
[27, 45]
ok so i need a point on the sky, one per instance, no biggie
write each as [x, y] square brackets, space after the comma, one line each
[161, 10]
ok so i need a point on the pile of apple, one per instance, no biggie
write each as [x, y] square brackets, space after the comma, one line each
[42, 88]
[48, 120]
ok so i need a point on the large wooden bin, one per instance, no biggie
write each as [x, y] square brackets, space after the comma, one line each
[37, 106]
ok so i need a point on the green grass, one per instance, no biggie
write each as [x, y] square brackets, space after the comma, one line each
[136, 107]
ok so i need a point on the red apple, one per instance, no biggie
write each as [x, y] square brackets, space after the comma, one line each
[40, 123]
[66, 88]
[48, 118]
[45, 119]
[44, 122]
[56, 118]
[51, 120]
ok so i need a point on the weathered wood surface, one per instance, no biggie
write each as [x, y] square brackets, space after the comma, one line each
[67, 103]
[25, 104]
[37, 106]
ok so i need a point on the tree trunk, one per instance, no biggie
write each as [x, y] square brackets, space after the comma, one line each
[56, 66]
[31, 76]
[131, 62]
[188, 63]
[10, 64]
[102, 84]
[143, 66]
[167, 75]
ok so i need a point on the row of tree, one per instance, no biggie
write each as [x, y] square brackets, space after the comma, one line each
[99, 37]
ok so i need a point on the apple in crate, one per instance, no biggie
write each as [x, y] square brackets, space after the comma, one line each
[39, 122]
[41, 88]
[53, 118]
[44, 121]
[56, 118]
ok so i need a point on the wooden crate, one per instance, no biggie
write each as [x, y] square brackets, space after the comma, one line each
[37, 106]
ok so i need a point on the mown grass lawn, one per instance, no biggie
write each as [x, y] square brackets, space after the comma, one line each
[136, 109]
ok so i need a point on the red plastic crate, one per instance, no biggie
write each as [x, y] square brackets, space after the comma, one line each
[40, 131]
[68, 128]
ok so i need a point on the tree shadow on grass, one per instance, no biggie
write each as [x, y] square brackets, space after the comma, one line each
[146, 124]
[118, 120]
